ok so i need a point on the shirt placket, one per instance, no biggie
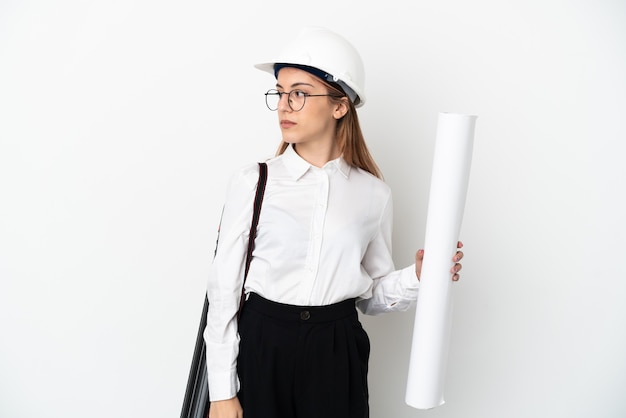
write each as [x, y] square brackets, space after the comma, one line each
[318, 218]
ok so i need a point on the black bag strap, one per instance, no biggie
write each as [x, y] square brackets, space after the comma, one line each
[196, 402]
[256, 212]
[258, 201]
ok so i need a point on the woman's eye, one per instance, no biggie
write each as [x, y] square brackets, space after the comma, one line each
[299, 94]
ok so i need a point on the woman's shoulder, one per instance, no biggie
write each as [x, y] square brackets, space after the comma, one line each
[246, 175]
[373, 182]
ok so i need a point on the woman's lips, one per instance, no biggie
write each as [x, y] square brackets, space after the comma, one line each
[286, 124]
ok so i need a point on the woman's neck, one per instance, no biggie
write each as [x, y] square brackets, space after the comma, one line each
[317, 155]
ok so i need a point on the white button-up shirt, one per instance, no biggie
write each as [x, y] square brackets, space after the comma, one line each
[324, 236]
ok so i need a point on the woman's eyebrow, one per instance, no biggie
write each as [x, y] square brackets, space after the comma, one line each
[298, 84]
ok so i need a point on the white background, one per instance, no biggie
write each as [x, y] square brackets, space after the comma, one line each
[121, 120]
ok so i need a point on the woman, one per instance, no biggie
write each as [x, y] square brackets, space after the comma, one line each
[323, 246]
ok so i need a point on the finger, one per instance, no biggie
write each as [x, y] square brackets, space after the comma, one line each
[455, 272]
[419, 259]
[419, 255]
[459, 244]
[458, 256]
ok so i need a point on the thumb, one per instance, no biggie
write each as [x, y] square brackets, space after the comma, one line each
[419, 259]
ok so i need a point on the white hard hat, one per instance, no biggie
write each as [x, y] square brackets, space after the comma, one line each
[329, 52]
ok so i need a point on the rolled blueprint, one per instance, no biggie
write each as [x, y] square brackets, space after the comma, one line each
[448, 189]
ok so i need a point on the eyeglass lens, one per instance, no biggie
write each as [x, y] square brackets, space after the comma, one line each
[295, 99]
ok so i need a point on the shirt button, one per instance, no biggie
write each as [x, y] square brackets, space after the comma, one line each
[305, 315]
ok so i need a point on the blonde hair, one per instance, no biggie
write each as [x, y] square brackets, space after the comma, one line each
[349, 137]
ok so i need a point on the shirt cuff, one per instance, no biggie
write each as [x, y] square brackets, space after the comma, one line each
[408, 277]
[409, 286]
[223, 385]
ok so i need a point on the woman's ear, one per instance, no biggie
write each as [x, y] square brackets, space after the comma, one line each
[341, 108]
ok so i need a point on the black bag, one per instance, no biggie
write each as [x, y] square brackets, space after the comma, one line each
[196, 402]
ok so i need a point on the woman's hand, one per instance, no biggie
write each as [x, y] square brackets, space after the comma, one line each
[228, 408]
[419, 258]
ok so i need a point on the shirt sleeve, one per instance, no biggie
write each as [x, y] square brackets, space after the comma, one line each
[392, 290]
[224, 285]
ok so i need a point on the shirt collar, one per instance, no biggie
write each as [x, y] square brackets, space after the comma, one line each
[297, 166]
[342, 166]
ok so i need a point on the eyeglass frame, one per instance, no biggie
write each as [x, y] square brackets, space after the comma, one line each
[274, 92]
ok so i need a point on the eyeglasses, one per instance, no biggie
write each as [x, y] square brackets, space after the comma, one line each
[295, 98]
